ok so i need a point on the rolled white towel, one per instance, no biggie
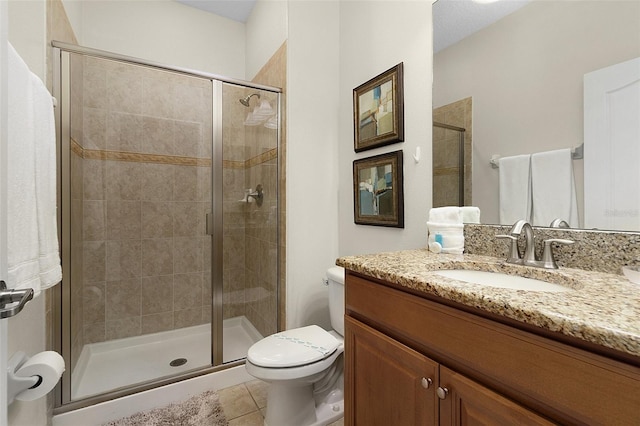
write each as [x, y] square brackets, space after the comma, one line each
[451, 244]
[470, 214]
[445, 215]
[451, 236]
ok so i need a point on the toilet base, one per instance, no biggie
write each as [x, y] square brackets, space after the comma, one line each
[290, 405]
[323, 414]
[297, 405]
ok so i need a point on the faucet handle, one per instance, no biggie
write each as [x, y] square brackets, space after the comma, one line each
[514, 251]
[548, 260]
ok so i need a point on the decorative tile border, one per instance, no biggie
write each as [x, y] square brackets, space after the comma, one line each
[230, 164]
[262, 158]
[135, 157]
[446, 171]
[602, 251]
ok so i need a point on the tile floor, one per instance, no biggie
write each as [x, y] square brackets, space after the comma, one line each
[244, 404]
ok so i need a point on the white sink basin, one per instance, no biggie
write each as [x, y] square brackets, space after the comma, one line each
[496, 279]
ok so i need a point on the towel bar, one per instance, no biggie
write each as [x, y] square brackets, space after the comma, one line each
[577, 153]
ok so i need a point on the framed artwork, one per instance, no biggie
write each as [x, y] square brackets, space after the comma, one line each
[378, 110]
[377, 190]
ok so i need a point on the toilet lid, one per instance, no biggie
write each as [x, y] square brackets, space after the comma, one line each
[292, 348]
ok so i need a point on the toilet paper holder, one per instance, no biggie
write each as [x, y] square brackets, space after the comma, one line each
[15, 384]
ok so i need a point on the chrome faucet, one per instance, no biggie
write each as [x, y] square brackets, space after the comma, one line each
[529, 257]
[559, 223]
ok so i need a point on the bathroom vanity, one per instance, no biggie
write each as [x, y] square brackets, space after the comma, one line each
[425, 349]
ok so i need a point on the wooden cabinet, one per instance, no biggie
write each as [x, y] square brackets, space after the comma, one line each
[466, 402]
[394, 384]
[390, 384]
[494, 374]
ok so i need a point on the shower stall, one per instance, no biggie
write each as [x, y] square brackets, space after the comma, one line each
[448, 165]
[452, 151]
[168, 206]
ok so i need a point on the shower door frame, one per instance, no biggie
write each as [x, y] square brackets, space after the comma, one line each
[461, 175]
[62, 293]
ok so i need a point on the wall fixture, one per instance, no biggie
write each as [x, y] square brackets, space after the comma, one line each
[257, 195]
[245, 101]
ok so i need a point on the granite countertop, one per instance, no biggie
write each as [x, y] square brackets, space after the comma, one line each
[599, 308]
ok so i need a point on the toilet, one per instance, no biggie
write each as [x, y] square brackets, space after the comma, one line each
[304, 367]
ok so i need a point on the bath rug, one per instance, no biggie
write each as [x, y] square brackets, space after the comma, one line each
[201, 410]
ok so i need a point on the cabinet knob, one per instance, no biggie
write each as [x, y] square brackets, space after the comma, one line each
[442, 392]
[426, 382]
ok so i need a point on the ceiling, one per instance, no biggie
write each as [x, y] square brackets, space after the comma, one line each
[238, 10]
[453, 20]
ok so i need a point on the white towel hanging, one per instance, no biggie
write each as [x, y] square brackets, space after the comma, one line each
[515, 188]
[32, 236]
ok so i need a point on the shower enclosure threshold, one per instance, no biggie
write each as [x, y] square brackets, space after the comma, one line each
[106, 366]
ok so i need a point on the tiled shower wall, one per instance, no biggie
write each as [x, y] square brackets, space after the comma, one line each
[145, 149]
[445, 153]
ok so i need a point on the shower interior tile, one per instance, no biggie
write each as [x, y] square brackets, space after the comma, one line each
[157, 294]
[157, 219]
[187, 291]
[157, 182]
[187, 317]
[123, 299]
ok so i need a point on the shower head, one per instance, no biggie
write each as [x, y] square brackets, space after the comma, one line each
[245, 101]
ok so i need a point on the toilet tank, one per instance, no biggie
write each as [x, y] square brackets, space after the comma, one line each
[335, 276]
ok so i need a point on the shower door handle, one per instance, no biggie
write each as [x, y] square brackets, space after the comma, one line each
[209, 223]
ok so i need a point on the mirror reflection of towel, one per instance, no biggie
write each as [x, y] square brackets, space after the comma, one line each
[515, 188]
[553, 188]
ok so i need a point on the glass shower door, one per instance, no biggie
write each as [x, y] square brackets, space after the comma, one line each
[136, 178]
[249, 174]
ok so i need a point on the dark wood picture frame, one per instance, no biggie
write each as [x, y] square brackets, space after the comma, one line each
[378, 197]
[378, 110]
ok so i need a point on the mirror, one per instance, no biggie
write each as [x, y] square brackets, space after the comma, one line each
[522, 79]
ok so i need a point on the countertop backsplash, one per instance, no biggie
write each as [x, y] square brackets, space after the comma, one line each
[601, 251]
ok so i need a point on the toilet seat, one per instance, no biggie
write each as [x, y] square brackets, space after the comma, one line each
[293, 348]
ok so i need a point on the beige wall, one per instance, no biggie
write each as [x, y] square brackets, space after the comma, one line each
[312, 157]
[265, 31]
[332, 48]
[552, 42]
[373, 39]
[167, 32]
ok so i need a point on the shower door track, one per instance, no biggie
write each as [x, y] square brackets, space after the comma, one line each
[62, 296]
[97, 53]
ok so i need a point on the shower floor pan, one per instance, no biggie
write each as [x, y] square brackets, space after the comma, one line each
[106, 366]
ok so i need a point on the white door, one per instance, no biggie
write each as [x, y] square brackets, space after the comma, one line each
[612, 147]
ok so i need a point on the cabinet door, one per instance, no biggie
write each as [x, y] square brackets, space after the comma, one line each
[386, 383]
[466, 402]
